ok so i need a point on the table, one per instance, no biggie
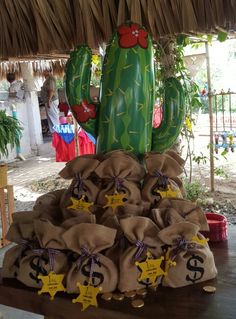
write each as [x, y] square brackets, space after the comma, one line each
[166, 303]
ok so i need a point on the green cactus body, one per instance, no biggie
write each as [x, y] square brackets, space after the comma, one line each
[173, 115]
[78, 74]
[124, 116]
[127, 98]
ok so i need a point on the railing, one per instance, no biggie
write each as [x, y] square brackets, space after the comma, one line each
[224, 120]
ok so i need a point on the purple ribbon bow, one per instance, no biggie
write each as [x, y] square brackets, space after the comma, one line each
[79, 185]
[86, 254]
[141, 248]
[118, 182]
[182, 245]
[25, 244]
[50, 252]
[162, 179]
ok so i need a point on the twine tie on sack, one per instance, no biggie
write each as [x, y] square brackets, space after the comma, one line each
[118, 182]
[141, 248]
[51, 254]
[25, 244]
[79, 185]
[163, 179]
[86, 254]
[183, 245]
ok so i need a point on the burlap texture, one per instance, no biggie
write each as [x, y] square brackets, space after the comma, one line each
[169, 165]
[19, 231]
[93, 239]
[128, 210]
[81, 218]
[51, 198]
[137, 229]
[120, 173]
[11, 261]
[165, 217]
[24, 235]
[81, 169]
[120, 244]
[82, 165]
[186, 209]
[37, 261]
[194, 261]
[24, 216]
[48, 206]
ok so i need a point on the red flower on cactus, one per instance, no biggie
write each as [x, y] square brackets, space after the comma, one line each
[84, 111]
[130, 36]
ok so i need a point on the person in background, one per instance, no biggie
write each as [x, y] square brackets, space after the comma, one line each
[16, 88]
[49, 97]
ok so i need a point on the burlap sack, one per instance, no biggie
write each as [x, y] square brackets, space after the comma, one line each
[120, 244]
[88, 241]
[165, 217]
[81, 169]
[142, 235]
[24, 216]
[120, 173]
[162, 177]
[194, 261]
[47, 206]
[52, 198]
[185, 208]
[128, 210]
[51, 256]
[24, 235]
[82, 218]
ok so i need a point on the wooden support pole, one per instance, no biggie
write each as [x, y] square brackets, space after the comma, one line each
[77, 150]
[3, 217]
[211, 148]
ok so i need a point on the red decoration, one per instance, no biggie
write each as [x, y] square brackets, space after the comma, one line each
[132, 35]
[217, 227]
[66, 152]
[84, 111]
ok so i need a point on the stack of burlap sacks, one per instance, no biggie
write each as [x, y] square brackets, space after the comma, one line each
[103, 245]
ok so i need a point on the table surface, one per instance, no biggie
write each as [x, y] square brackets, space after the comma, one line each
[187, 302]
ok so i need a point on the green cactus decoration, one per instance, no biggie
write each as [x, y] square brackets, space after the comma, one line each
[123, 120]
[78, 74]
[173, 115]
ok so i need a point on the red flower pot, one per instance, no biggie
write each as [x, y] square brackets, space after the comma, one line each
[217, 227]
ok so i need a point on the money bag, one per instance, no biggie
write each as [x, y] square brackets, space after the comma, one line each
[191, 253]
[88, 241]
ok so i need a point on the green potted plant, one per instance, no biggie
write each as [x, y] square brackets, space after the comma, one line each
[10, 133]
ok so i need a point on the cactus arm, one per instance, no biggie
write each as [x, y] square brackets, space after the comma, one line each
[77, 82]
[127, 98]
[166, 134]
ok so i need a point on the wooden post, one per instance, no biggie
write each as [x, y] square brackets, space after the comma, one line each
[77, 150]
[3, 216]
[212, 177]
[6, 211]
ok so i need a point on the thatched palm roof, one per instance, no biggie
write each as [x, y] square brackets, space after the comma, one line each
[29, 27]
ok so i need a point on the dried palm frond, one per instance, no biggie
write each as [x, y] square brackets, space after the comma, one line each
[29, 27]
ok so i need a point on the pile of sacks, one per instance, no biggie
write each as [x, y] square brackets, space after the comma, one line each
[101, 241]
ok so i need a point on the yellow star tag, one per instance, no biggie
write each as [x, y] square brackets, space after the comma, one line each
[170, 192]
[80, 204]
[168, 261]
[151, 268]
[52, 283]
[88, 295]
[115, 200]
[196, 239]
